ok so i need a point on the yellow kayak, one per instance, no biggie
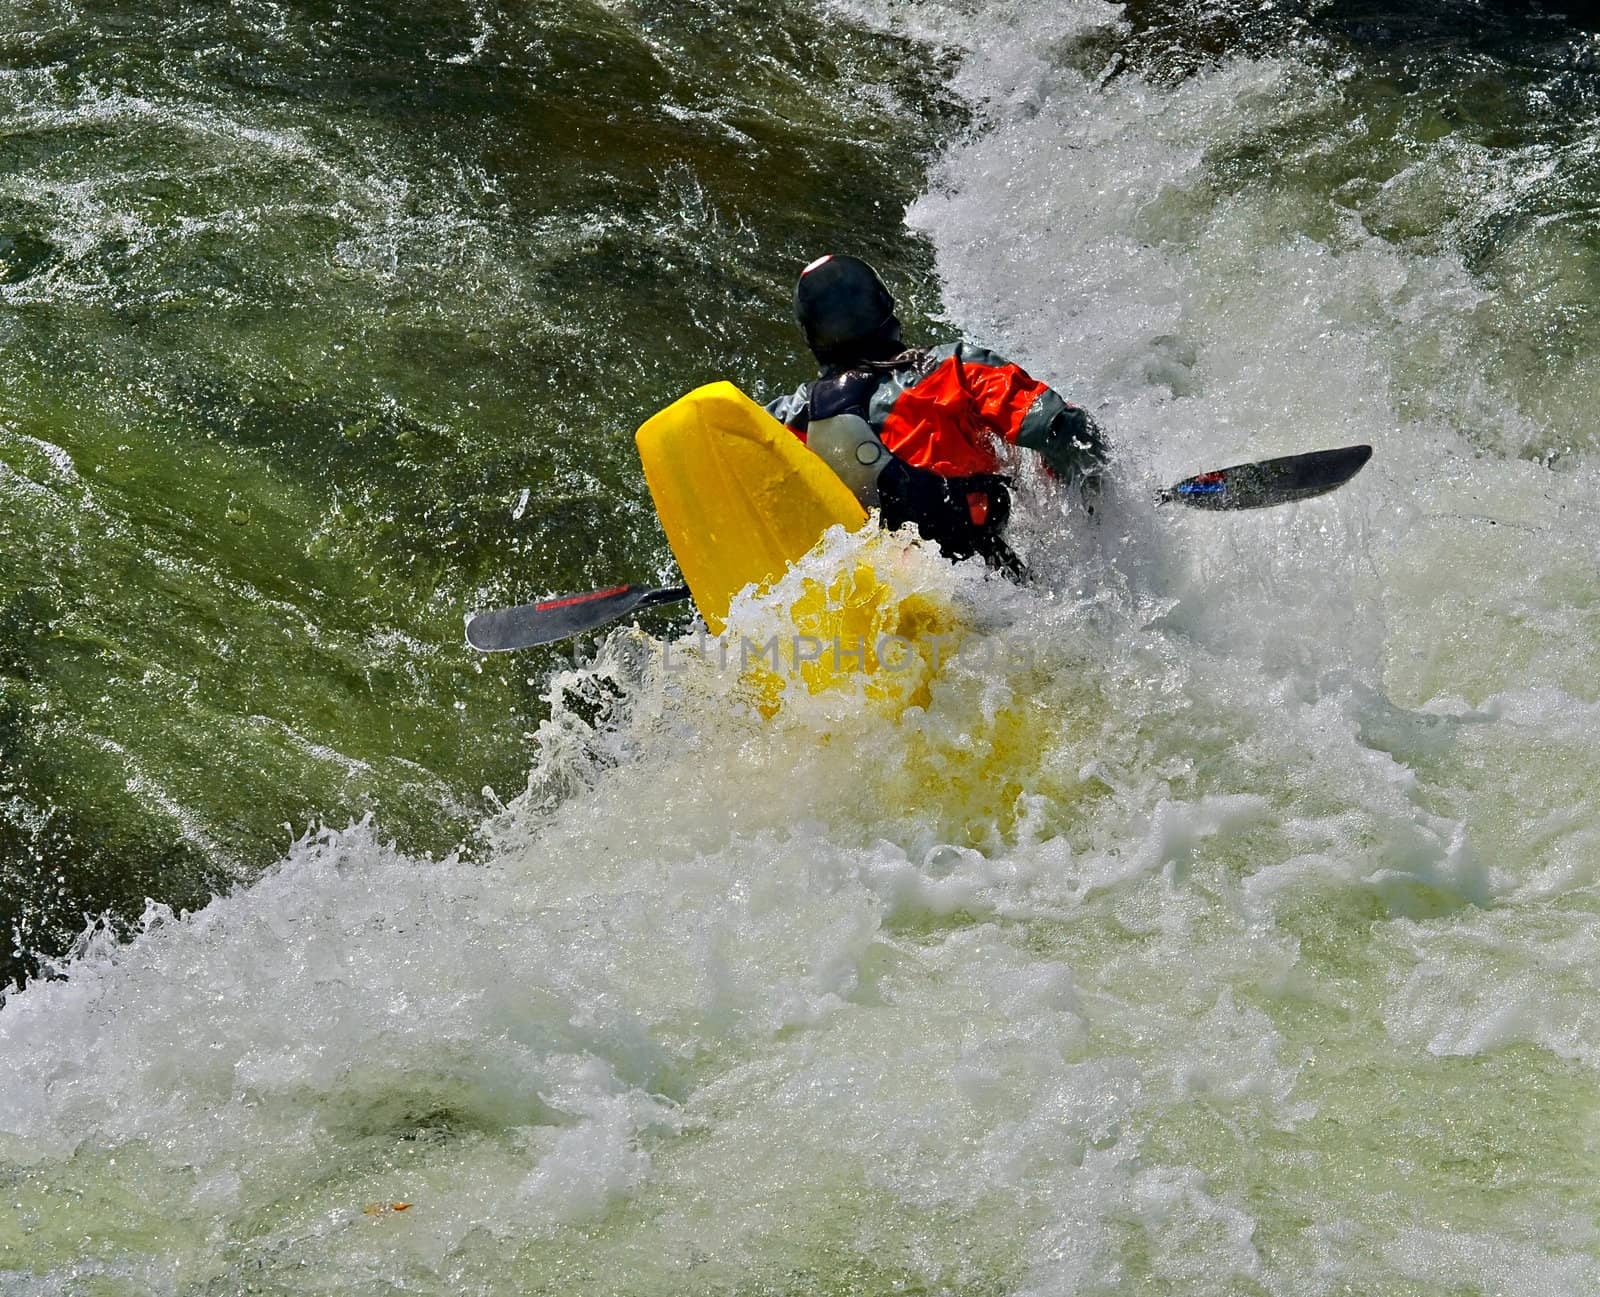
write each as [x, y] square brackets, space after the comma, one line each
[741, 499]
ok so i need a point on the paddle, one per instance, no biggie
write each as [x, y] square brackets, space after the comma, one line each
[562, 617]
[1269, 481]
[1243, 486]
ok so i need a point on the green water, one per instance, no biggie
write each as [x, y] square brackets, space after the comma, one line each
[296, 303]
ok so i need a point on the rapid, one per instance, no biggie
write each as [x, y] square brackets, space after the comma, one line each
[1226, 922]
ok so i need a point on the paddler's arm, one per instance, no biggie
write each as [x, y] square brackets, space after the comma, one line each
[1026, 412]
[793, 410]
[1067, 436]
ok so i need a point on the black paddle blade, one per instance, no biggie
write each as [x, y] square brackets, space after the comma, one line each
[501, 629]
[1271, 481]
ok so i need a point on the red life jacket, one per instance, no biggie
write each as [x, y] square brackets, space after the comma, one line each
[943, 414]
[949, 409]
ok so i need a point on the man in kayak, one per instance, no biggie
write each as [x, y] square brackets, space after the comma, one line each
[916, 432]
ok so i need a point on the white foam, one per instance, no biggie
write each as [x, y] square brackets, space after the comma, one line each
[1223, 926]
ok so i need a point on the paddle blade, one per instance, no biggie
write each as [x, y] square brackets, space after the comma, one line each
[501, 629]
[1270, 481]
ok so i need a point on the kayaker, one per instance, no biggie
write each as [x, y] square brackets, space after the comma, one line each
[916, 432]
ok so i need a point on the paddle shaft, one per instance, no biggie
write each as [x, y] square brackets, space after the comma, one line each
[1243, 486]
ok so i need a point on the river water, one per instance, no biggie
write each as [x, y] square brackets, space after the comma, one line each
[1228, 924]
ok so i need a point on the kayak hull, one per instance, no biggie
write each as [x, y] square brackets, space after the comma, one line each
[739, 497]
[742, 500]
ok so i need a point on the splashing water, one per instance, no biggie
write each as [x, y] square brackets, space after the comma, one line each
[1221, 921]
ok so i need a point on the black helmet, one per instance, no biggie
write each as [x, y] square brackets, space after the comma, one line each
[845, 310]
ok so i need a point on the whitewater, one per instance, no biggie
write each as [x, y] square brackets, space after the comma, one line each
[1229, 924]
